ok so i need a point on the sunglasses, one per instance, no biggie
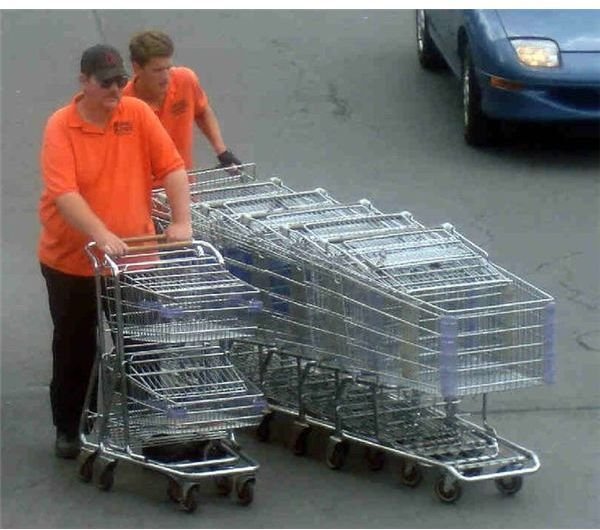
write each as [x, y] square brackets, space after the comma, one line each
[121, 81]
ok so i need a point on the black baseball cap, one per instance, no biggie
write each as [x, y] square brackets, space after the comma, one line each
[102, 61]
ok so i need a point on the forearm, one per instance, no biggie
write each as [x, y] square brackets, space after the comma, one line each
[76, 211]
[78, 214]
[209, 125]
[178, 194]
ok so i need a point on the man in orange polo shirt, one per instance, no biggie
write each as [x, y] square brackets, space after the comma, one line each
[101, 156]
[175, 94]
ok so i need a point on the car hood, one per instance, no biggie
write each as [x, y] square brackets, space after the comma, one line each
[574, 30]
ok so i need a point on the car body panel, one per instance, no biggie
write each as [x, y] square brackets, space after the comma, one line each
[568, 92]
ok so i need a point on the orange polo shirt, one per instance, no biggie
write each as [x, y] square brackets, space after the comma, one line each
[184, 101]
[110, 167]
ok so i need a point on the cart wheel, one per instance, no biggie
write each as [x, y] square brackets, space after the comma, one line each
[300, 440]
[375, 459]
[263, 431]
[224, 485]
[410, 473]
[191, 501]
[86, 466]
[106, 478]
[245, 490]
[174, 490]
[509, 485]
[336, 453]
[445, 493]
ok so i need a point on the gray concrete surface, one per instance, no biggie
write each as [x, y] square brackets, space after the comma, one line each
[331, 99]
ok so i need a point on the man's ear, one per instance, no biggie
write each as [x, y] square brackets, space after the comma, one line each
[137, 68]
[82, 79]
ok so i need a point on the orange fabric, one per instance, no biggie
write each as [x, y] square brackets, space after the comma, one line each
[111, 168]
[184, 101]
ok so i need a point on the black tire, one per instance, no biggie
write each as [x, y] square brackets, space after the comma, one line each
[106, 478]
[375, 459]
[86, 468]
[263, 431]
[300, 442]
[429, 56]
[224, 485]
[192, 500]
[478, 129]
[336, 454]
[174, 490]
[245, 490]
[447, 495]
[509, 485]
[410, 474]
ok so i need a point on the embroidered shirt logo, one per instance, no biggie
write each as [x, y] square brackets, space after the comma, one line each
[179, 107]
[122, 127]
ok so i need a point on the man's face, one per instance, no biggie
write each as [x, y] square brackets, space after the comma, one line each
[105, 94]
[154, 75]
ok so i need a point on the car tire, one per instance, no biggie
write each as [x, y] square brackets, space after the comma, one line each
[479, 130]
[429, 56]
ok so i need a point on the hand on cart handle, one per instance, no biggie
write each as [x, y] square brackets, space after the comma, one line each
[228, 161]
[227, 158]
[178, 232]
[111, 244]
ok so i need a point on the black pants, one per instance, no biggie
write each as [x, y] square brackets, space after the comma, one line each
[72, 301]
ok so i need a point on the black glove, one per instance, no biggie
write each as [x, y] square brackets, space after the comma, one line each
[227, 158]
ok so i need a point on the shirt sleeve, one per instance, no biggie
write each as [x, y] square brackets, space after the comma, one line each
[164, 155]
[57, 159]
[199, 95]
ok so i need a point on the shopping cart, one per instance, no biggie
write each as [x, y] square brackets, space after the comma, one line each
[167, 383]
[360, 303]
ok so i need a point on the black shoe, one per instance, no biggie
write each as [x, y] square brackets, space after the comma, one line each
[67, 445]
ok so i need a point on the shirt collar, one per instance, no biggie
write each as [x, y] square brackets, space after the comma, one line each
[74, 119]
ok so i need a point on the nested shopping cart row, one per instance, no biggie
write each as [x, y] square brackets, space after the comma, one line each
[351, 291]
[369, 290]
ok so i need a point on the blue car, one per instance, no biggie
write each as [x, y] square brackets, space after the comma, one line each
[523, 65]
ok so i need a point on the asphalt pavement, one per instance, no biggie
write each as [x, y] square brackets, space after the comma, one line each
[331, 99]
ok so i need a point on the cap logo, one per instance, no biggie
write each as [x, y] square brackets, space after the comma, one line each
[110, 59]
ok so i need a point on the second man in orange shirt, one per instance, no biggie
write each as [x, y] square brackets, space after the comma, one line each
[175, 94]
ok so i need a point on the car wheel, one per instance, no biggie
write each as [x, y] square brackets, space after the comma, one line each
[478, 128]
[429, 56]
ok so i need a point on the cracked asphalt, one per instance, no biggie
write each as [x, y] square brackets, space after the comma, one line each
[331, 99]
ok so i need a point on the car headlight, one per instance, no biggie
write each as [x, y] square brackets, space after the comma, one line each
[539, 53]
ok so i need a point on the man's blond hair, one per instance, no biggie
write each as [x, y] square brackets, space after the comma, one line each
[145, 45]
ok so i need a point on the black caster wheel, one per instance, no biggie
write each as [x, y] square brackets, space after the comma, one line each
[263, 431]
[174, 490]
[410, 473]
[375, 459]
[191, 501]
[245, 490]
[86, 466]
[446, 492]
[336, 453]
[224, 485]
[105, 476]
[300, 439]
[509, 485]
